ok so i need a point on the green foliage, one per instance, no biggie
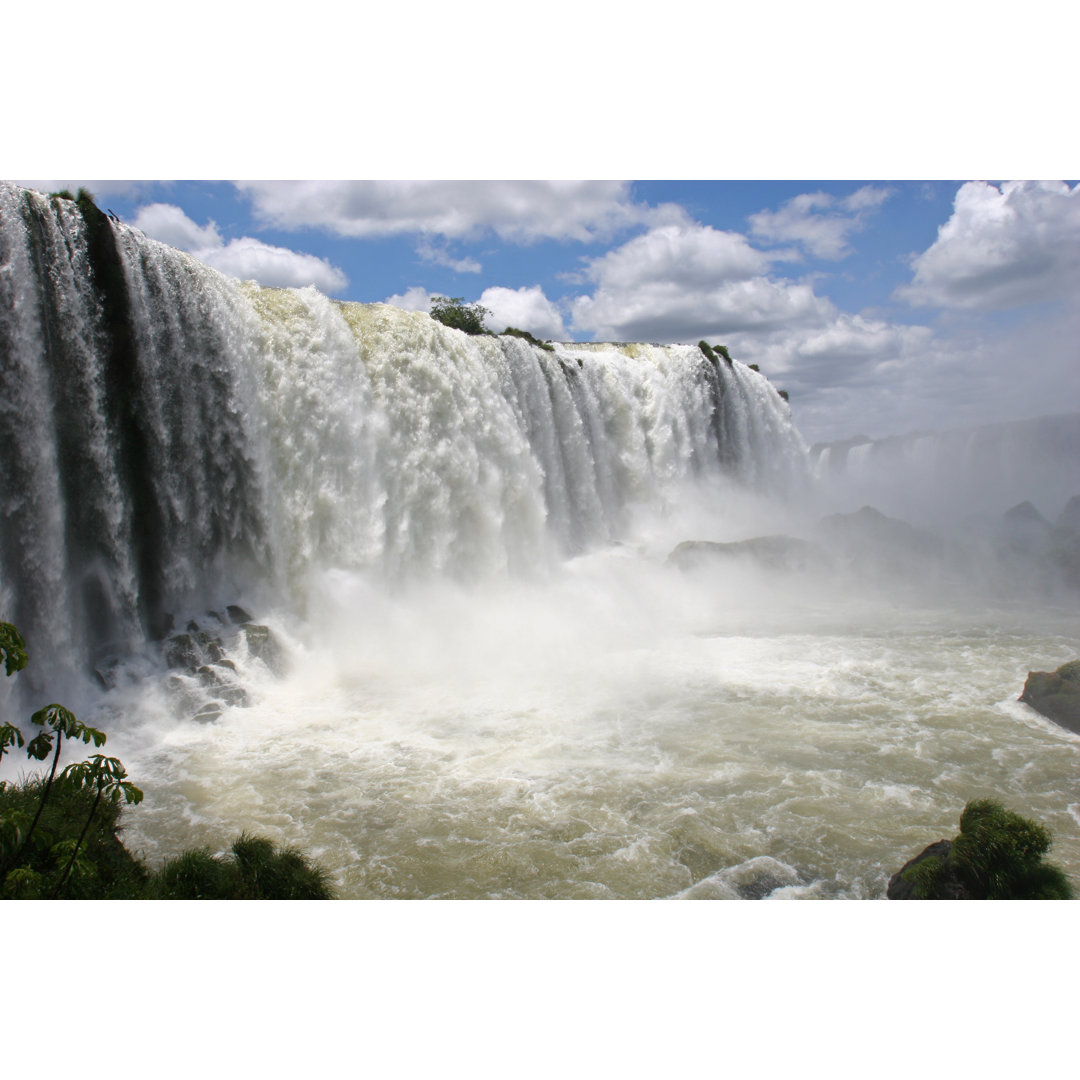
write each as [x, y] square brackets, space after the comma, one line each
[1070, 671]
[783, 394]
[998, 850]
[12, 649]
[452, 311]
[255, 871]
[926, 877]
[723, 351]
[754, 367]
[70, 841]
[513, 331]
[997, 856]
[62, 194]
[195, 875]
[58, 833]
[706, 348]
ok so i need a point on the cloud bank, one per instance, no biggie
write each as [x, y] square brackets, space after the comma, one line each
[518, 211]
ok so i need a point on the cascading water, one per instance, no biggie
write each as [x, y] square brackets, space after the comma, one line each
[493, 684]
[251, 436]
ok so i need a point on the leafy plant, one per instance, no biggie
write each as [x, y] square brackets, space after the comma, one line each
[452, 311]
[106, 775]
[707, 350]
[58, 832]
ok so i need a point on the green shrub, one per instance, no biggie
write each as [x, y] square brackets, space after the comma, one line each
[452, 311]
[253, 871]
[706, 348]
[997, 856]
[513, 331]
[925, 877]
[196, 875]
[102, 868]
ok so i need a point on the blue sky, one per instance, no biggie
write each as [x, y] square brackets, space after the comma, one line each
[882, 307]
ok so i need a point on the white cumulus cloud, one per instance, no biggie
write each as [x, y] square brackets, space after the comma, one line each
[519, 211]
[1002, 247]
[683, 281]
[244, 257]
[172, 226]
[441, 256]
[819, 222]
[526, 309]
[415, 298]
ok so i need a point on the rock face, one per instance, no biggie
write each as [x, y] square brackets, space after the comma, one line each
[871, 543]
[952, 887]
[772, 552]
[1056, 694]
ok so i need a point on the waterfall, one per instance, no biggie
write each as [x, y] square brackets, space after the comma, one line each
[948, 477]
[171, 437]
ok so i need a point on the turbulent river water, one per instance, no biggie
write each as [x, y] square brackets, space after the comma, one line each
[492, 681]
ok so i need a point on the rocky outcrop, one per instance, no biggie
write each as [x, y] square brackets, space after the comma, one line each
[1056, 694]
[772, 552]
[869, 541]
[949, 882]
[204, 680]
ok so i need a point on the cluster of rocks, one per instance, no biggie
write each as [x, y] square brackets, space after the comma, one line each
[204, 679]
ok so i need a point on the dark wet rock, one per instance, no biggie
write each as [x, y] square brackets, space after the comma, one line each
[949, 884]
[263, 645]
[1056, 694]
[226, 663]
[209, 713]
[181, 651]
[772, 552]
[237, 615]
[192, 626]
[214, 678]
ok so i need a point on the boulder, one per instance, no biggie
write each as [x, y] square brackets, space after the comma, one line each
[1056, 694]
[950, 885]
[263, 645]
[181, 651]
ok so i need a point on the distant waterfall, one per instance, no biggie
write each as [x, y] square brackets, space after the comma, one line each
[945, 477]
[170, 437]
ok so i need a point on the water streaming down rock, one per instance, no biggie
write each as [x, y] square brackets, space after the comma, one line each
[172, 438]
[941, 478]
